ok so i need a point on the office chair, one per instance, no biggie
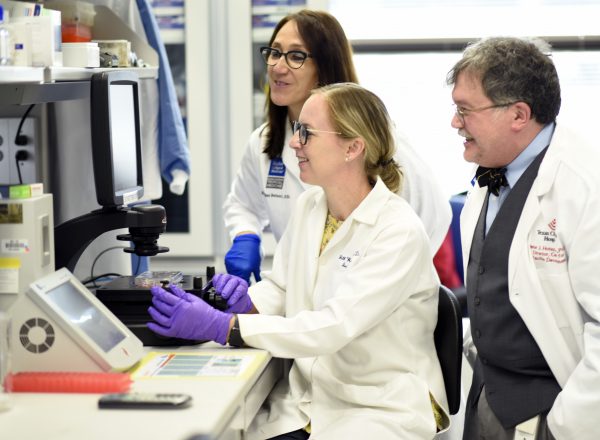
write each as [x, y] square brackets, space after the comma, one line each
[448, 337]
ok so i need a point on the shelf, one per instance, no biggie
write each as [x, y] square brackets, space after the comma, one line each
[168, 10]
[52, 74]
[276, 9]
[32, 85]
[30, 93]
[261, 35]
[11, 74]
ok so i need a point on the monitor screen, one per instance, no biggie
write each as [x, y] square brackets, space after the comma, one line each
[123, 137]
[81, 313]
[116, 139]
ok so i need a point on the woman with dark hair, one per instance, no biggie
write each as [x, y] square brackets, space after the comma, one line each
[308, 49]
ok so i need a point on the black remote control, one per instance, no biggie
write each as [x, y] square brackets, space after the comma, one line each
[145, 401]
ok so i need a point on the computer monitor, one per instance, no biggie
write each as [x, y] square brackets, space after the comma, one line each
[116, 140]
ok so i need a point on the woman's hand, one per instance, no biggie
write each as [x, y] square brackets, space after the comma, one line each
[235, 290]
[180, 314]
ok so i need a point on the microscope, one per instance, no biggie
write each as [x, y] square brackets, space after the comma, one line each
[117, 162]
[145, 223]
[129, 297]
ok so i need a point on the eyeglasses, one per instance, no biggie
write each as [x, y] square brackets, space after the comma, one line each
[462, 112]
[304, 132]
[294, 58]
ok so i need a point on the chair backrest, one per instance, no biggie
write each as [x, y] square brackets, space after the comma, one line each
[448, 338]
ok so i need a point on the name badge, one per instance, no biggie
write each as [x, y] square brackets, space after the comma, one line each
[276, 174]
[346, 261]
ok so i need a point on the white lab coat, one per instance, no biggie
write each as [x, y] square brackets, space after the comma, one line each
[554, 277]
[359, 322]
[251, 206]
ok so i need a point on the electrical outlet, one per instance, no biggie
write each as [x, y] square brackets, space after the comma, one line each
[21, 158]
[4, 156]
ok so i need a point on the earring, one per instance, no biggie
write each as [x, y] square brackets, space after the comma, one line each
[347, 158]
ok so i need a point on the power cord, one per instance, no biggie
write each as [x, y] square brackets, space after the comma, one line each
[19, 157]
[21, 139]
[92, 278]
[97, 277]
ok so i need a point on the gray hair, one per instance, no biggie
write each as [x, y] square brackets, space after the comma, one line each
[514, 69]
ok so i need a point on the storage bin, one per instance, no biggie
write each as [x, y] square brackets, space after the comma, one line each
[77, 19]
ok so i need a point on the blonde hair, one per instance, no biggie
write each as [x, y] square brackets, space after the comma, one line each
[358, 112]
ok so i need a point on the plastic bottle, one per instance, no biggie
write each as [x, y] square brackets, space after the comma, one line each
[5, 40]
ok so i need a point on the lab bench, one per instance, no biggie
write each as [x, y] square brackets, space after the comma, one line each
[222, 407]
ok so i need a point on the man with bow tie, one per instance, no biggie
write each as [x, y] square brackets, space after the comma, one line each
[530, 233]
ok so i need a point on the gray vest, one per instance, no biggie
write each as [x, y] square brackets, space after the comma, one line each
[518, 381]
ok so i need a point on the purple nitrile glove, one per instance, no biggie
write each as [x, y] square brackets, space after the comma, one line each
[180, 314]
[235, 291]
[243, 258]
[178, 291]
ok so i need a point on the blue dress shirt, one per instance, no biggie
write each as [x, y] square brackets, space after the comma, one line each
[515, 169]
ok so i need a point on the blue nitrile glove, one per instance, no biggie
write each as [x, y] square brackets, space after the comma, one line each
[180, 314]
[243, 258]
[235, 291]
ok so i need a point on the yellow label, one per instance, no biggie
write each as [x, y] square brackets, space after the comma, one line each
[10, 263]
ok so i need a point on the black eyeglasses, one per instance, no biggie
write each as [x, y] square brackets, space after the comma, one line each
[304, 132]
[294, 58]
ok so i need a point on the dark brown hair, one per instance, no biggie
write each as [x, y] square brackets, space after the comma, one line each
[332, 54]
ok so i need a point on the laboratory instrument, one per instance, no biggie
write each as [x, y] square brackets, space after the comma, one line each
[130, 302]
[116, 138]
[117, 162]
[59, 325]
[26, 244]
